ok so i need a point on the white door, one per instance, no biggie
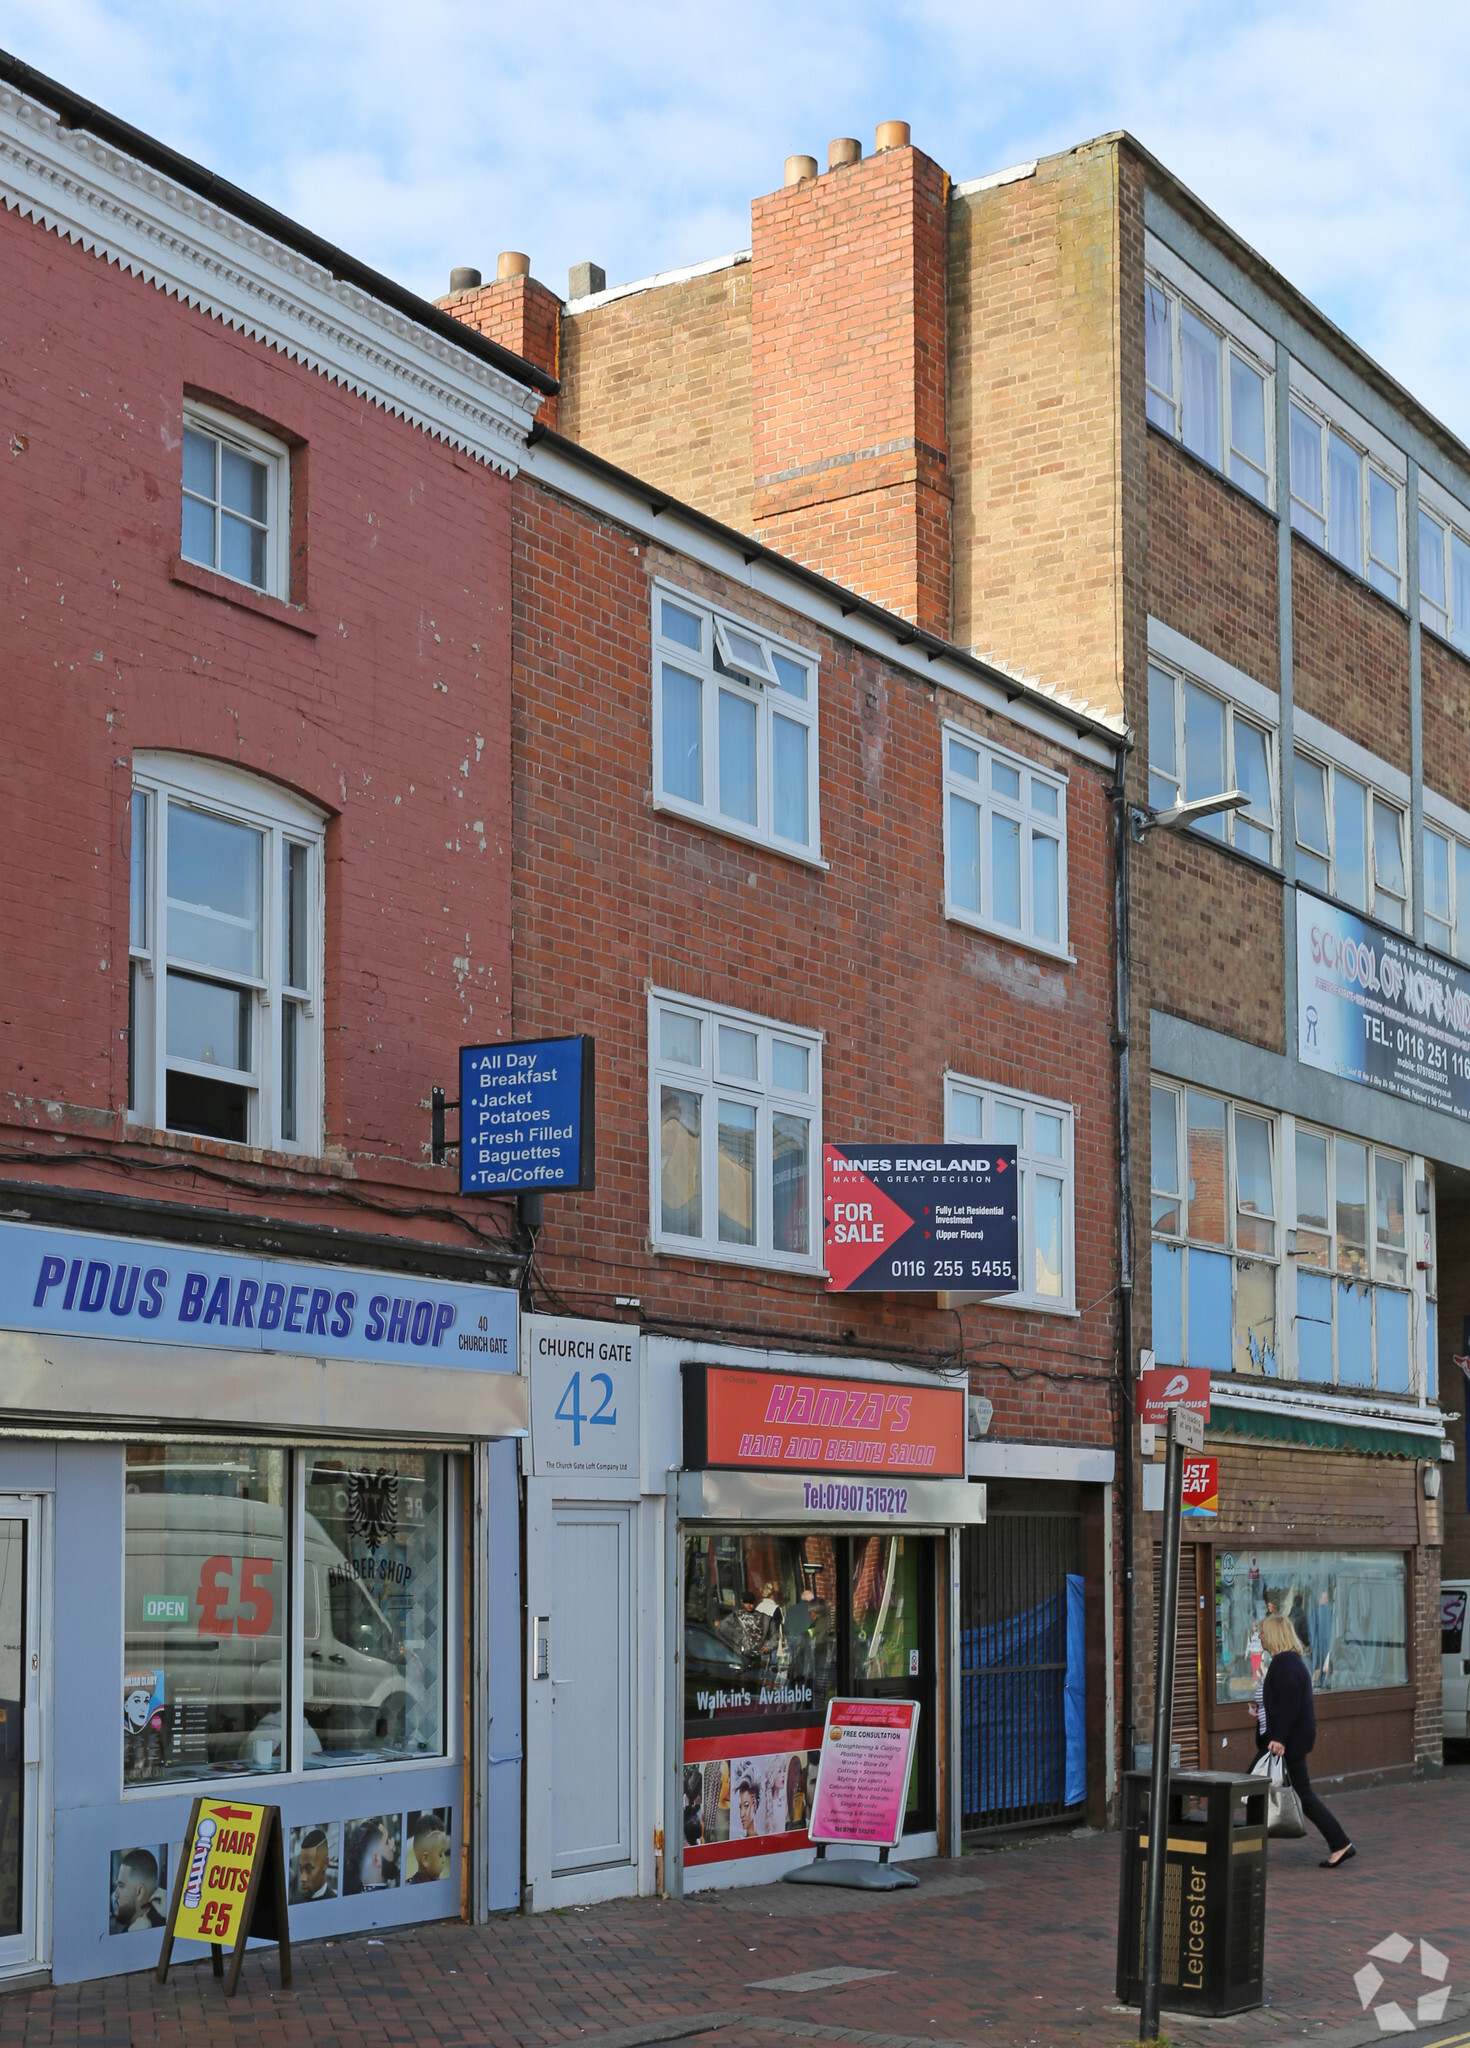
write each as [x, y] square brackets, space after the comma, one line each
[22, 1836]
[591, 1688]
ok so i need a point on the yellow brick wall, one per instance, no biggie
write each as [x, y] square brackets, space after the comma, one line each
[1034, 431]
[659, 383]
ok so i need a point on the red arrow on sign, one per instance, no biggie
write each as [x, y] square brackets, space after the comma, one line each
[232, 1812]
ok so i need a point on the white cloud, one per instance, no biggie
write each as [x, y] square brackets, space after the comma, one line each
[1330, 136]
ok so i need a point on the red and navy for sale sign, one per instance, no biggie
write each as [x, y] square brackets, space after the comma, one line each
[915, 1219]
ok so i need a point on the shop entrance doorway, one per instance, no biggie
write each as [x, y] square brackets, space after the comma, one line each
[21, 1747]
[591, 1687]
[1020, 1646]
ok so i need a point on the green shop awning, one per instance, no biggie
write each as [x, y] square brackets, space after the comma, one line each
[1370, 1440]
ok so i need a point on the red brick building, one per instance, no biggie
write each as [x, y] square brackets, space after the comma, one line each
[1063, 414]
[258, 682]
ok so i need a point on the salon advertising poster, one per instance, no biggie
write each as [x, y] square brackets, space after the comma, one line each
[863, 1779]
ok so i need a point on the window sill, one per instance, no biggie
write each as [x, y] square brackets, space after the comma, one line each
[954, 1299]
[298, 617]
[740, 1255]
[251, 1155]
[1208, 469]
[1009, 937]
[230, 1786]
[726, 828]
[1395, 604]
[1192, 836]
[1392, 931]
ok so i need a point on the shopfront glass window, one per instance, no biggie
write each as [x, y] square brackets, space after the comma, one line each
[1349, 1610]
[205, 1612]
[373, 1606]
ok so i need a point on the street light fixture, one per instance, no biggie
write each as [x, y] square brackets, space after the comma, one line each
[1178, 816]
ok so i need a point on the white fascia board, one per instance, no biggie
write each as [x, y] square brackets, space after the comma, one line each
[711, 264]
[1205, 667]
[632, 509]
[115, 207]
[1227, 316]
[988, 183]
[677, 1350]
[1338, 413]
[1289, 1398]
[1089, 1464]
[1320, 738]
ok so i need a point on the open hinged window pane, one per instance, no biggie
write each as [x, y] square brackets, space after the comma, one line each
[744, 652]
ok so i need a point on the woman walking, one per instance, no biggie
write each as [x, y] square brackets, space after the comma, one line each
[1291, 1728]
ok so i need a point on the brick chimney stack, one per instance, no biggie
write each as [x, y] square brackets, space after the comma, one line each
[848, 357]
[516, 311]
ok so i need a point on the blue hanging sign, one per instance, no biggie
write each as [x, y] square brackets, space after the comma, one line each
[527, 1116]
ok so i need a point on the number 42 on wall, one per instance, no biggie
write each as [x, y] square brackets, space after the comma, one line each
[604, 1412]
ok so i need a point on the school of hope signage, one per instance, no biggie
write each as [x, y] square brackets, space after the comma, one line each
[585, 1411]
[1375, 1009]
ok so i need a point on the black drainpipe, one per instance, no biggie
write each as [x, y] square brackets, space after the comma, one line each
[1122, 830]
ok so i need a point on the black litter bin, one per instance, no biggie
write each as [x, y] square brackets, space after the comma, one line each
[1214, 1892]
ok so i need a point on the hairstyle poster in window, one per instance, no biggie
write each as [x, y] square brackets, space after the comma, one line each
[744, 1803]
[371, 1854]
[430, 1845]
[315, 1859]
[138, 1889]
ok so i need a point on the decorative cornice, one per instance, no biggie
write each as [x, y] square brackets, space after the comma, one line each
[115, 207]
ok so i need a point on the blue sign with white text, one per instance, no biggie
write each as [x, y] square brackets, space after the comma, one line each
[76, 1284]
[526, 1116]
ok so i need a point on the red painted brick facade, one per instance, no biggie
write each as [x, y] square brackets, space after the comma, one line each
[386, 701]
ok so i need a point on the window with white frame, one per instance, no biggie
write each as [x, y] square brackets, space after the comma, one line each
[1005, 842]
[1344, 501]
[1041, 1132]
[1200, 744]
[1446, 893]
[1350, 841]
[1216, 1240]
[1207, 391]
[734, 726]
[1353, 1311]
[224, 967]
[236, 501]
[735, 1135]
[1444, 579]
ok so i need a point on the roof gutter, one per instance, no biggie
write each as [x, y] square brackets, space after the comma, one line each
[846, 602]
[75, 112]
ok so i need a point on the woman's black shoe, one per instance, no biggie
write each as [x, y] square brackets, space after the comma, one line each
[1333, 1862]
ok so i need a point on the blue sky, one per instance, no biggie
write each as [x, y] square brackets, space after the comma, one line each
[1332, 136]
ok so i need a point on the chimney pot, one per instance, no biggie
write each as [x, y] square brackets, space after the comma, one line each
[512, 263]
[893, 135]
[583, 279]
[465, 279]
[845, 150]
[800, 168]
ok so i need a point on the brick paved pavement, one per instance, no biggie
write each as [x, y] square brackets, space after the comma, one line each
[1004, 1949]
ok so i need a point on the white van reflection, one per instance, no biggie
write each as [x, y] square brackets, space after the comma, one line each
[204, 1607]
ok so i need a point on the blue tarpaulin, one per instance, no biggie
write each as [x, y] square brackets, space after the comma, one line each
[1075, 1695]
[1022, 1709]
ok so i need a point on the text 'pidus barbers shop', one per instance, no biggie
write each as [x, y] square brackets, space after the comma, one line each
[244, 1487]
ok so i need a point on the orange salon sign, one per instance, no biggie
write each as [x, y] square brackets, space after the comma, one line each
[788, 1422]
